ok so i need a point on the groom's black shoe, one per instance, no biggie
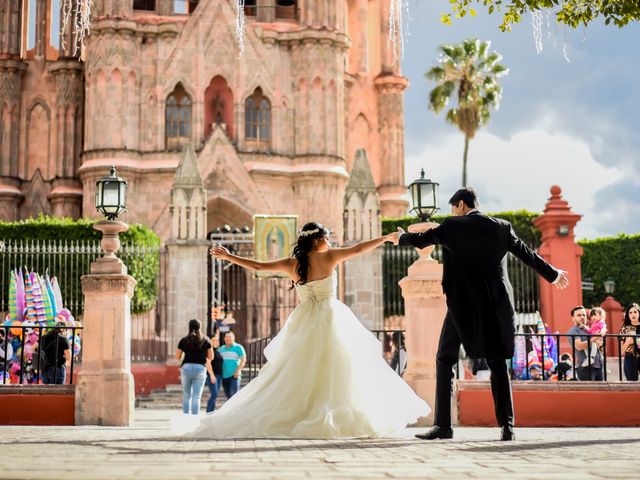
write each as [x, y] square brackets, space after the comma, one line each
[507, 434]
[435, 433]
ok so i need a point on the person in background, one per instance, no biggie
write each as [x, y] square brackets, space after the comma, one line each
[564, 369]
[580, 339]
[57, 354]
[631, 345]
[214, 367]
[196, 353]
[596, 326]
[234, 359]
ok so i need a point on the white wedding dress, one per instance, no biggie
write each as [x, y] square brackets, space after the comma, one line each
[325, 378]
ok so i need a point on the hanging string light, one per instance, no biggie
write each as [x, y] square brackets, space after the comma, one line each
[398, 26]
[240, 25]
[76, 14]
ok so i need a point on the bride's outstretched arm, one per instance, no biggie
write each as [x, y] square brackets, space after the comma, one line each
[284, 265]
[341, 254]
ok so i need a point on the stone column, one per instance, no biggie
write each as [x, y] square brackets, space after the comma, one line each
[615, 317]
[105, 389]
[425, 308]
[186, 287]
[265, 11]
[560, 249]
[392, 190]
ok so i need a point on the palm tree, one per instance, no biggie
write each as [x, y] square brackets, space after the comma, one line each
[471, 72]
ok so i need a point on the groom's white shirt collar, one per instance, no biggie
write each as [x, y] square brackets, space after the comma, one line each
[472, 211]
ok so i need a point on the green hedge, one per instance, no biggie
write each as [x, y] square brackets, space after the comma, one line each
[140, 253]
[616, 258]
[522, 221]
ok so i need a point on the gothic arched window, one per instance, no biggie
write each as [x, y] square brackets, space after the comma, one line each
[177, 118]
[257, 118]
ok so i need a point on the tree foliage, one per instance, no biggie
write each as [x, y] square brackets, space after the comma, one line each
[568, 12]
[469, 73]
[615, 258]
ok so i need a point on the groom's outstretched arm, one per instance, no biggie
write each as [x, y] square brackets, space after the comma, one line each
[531, 258]
[421, 239]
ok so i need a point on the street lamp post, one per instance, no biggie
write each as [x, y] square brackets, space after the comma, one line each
[105, 389]
[424, 301]
[424, 197]
[111, 201]
[609, 286]
[425, 202]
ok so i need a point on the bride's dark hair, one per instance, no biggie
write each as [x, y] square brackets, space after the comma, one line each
[303, 246]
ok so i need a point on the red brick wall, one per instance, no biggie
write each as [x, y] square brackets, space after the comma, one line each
[55, 404]
[552, 404]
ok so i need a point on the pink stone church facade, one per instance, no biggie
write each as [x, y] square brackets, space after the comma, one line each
[275, 130]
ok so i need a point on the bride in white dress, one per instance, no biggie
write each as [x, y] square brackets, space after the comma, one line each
[325, 376]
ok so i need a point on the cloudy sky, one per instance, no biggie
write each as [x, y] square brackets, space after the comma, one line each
[572, 123]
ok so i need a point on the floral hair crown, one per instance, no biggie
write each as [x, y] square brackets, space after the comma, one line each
[306, 233]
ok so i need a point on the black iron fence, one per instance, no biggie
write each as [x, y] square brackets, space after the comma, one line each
[33, 354]
[555, 356]
[255, 355]
[251, 305]
[69, 260]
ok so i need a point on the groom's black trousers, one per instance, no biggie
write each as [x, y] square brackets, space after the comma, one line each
[446, 358]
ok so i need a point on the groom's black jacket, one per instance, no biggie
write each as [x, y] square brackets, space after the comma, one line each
[474, 282]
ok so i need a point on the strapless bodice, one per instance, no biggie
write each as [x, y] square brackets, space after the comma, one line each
[318, 290]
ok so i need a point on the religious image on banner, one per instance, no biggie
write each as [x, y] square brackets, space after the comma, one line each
[274, 236]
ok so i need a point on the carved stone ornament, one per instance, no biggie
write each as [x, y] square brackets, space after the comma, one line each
[10, 86]
[421, 288]
[69, 89]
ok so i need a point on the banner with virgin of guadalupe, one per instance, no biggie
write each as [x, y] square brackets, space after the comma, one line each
[274, 237]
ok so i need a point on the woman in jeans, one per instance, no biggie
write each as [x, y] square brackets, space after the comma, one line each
[630, 326]
[197, 352]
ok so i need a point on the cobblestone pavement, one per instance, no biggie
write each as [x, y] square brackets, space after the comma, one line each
[148, 450]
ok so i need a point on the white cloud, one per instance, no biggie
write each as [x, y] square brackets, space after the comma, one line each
[517, 172]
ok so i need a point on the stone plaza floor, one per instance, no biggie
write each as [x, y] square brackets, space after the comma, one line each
[148, 450]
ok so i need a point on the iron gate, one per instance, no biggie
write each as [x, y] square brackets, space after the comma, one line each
[250, 306]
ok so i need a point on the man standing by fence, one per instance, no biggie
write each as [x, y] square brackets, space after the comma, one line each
[581, 342]
[233, 361]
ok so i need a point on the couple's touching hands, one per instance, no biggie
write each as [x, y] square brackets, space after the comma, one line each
[395, 236]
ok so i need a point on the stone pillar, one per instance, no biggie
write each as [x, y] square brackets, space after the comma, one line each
[265, 11]
[69, 111]
[363, 274]
[615, 317]
[560, 249]
[11, 74]
[425, 308]
[392, 190]
[105, 389]
[186, 287]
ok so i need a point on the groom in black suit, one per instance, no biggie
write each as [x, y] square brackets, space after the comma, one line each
[480, 313]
